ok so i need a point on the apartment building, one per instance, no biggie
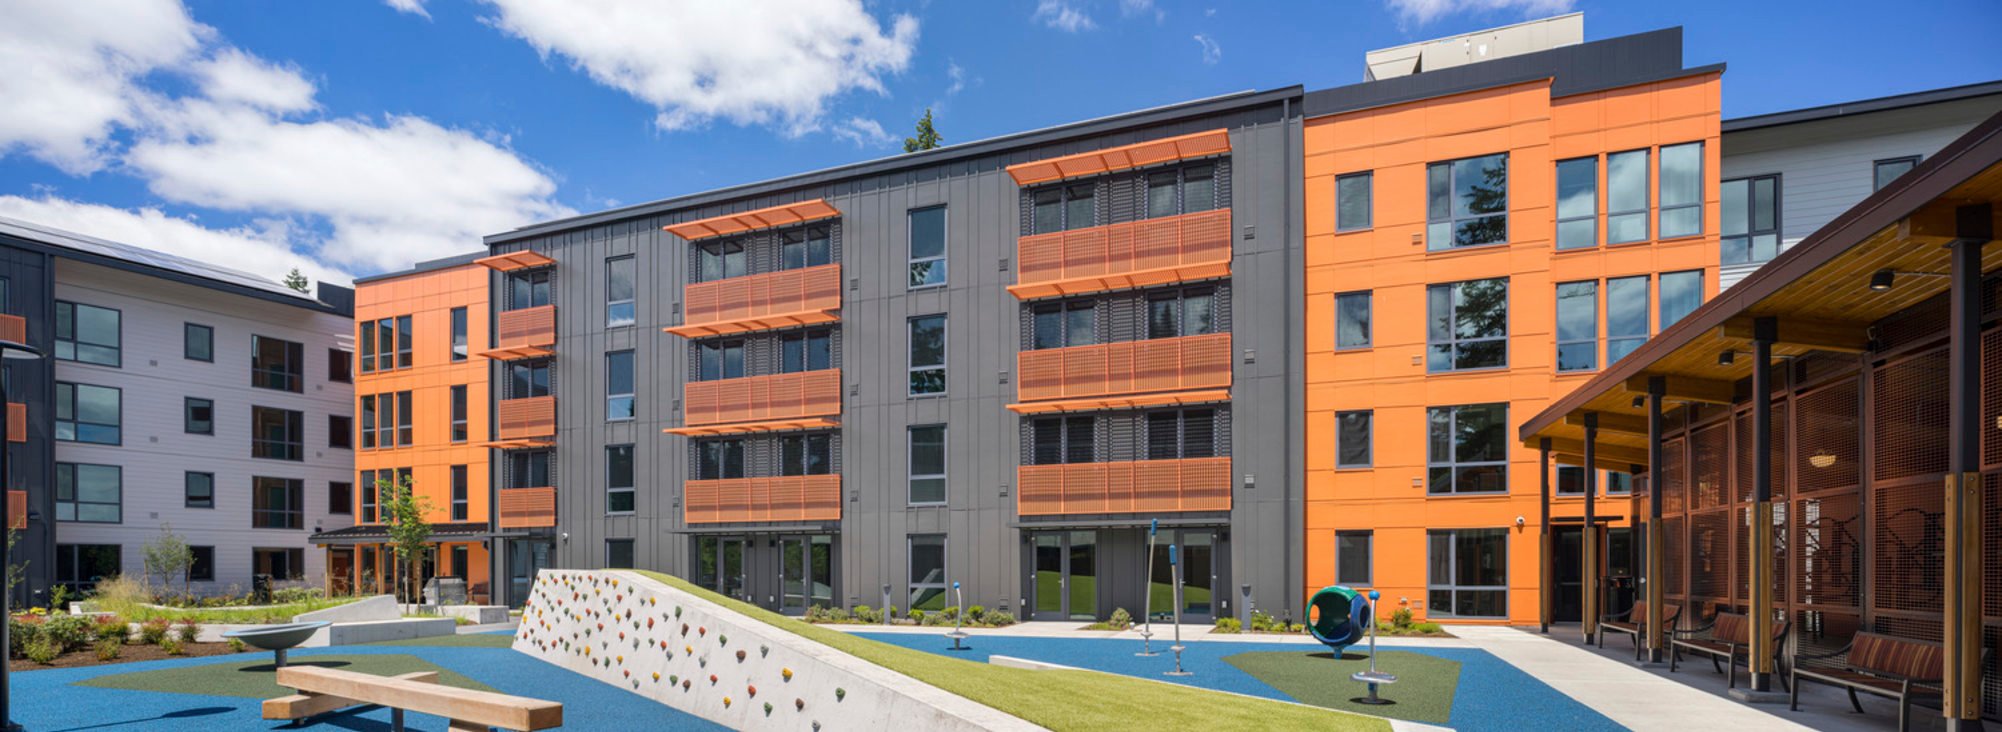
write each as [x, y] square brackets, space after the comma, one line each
[175, 395]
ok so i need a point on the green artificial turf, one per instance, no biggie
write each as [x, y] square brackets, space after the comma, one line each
[258, 680]
[462, 640]
[1084, 594]
[1060, 700]
[1423, 692]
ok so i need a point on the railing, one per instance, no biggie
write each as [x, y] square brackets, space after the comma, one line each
[530, 417]
[1157, 251]
[526, 328]
[791, 498]
[755, 302]
[527, 508]
[1131, 367]
[17, 422]
[13, 328]
[763, 398]
[1145, 486]
[17, 509]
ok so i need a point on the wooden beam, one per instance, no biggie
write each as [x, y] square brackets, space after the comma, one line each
[1618, 455]
[460, 705]
[1821, 335]
[300, 706]
[1688, 389]
[1939, 222]
[1612, 422]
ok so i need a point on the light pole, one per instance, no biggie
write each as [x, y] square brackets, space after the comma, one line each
[21, 351]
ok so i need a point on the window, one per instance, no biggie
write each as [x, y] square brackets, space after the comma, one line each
[276, 364]
[80, 566]
[341, 499]
[460, 504]
[720, 360]
[459, 413]
[1466, 202]
[202, 568]
[1468, 573]
[197, 342]
[806, 350]
[404, 342]
[371, 493]
[461, 346]
[528, 469]
[278, 434]
[198, 416]
[385, 344]
[91, 494]
[1353, 201]
[718, 260]
[1578, 203]
[1626, 197]
[1681, 294]
[199, 490]
[1626, 316]
[530, 289]
[619, 491]
[340, 431]
[1885, 171]
[404, 415]
[719, 459]
[528, 380]
[277, 503]
[1063, 325]
[1618, 482]
[620, 273]
[1570, 480]
[1751, 229]
[1064, 207]
[927, 576]
[1577, 326]
[280, 563]
[340, 366]
[87, 334]
[927, 247]
[1468, 325]
[1180, 434]
[926, 449]
[1187, 190]
[1352, 320]
[619, 553]
[806, 454]
[1467, 449]
[385, 422]
[1354, 438]
[927, 355]
[367, 341]
[619, 386]
[1059, 440]
[86, 413]
[1682, 190]
[1352, 557]
[1179, 313]
[809, 247]
[367, 421]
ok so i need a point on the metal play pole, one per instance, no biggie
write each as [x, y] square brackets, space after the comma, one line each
[1372, 677]
[957, 634]
[1147, 604]
[1175, 572]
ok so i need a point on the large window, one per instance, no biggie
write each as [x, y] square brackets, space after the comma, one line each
[1354, 199]
[281, 563]
[808, 247]
[928, 243]
[368, 422]
[1466, 202]
[1468, 573]
[1681, 294]
[1882, 172]
[198, 416]
[340, 366]
[528, 469]
[1467, 449]
[720, 360]
[87, 334]
[1352, 557]
[1626, 316]
[1058, 208]
[927, 465]
[528, 380]
[459, 421]
[1467, 325]
[277, 364]
[1682, 190]
[1354, 438]
[197, 342]
[1059, 440]
[461, 503]
[91, 494]
[618, 386]
[620, 273]
[1179, 313]
[1186, 190]
[1180, 434]
[927, 355]
[1063, 324]
[201, 565]
[1577, 203]
[198, 490]
[1352, 320]
[80, 566]
[1751, 223]
[530, 289]
[341, 498]
[1626, 197]
[461, 335]
[1578, 326]
[279, 434]
[806, 350]
[277, 503]
[619, 490]
[367, 342]
[619, 553]
[806, 454]
[719, 260]
[927, 576]
[86, 413]
[719, 459]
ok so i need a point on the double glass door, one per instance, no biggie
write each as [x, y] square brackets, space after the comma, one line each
[525, 557]
[719, 565]
[1066, 573]
[806, 573]
[1199, 580]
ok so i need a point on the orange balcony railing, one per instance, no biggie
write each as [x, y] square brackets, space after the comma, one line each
[13, 328]
[1131, 367]
[527, 508]
[791, 498]
[524, 333]
[17, 422]
[1146, 486]
[762, 302]
[17, 509]
[1135, 254]
[763, 398]
[526, 418]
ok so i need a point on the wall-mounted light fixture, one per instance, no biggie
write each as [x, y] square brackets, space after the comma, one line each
[1882, 280]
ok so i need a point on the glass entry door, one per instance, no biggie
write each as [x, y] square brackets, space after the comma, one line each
[806, 573]
[1066, 575]
[719, 565]
[525, 557]
[1199, 577]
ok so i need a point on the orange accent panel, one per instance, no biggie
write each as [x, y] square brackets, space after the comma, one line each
[17, 510]
[1152, 152]
[790, 498]
[17, 422]
[1142, 253]
[762, 302]
[525, 418]
[1195, 484]
[524, 508]
[13, 328]
[764, 218]
[764, 398]
[512, 261]
[1131, 367]
[738, 428]
[1141, 401]
[525, 333]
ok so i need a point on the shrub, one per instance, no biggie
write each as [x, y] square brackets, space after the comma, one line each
[288, 595]
[866, 614]
[172, 646]
[41, 650]
[997, 620]
[1260, 622]
[1297, 628]
[1400, 618]
[20, 630]
[187, 631]
[109, 648]
[236, 645]
[110, 628]
[951, 612]
[917, 616]
[67, 632]
[1427, 627]
[152, 631]
[1228, 625]
[975, 613]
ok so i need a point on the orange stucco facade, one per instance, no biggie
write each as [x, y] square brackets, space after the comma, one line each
[1390, 260]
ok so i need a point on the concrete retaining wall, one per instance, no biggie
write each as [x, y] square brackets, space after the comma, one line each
[699, 657]
[379, 607]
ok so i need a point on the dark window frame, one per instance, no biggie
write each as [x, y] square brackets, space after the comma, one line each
[1177, 301]
[117, 348]
[289, 375]
[461, 344]
[461, 502]
[1627, 340]
[1587, 292]
[1343, 435]
[1453, 342]
[189, 423]
[1590, 217]
[189, 499]
[912, 477]
[290, 446]
[613, 488]
[201, 564]
[340, 498]
[458, 416]
[1446, 239]
[188, 331]
[1367, 341]
[1877, 181]
[1662, 205]
[1453, 466]
[621, 312]
[1729, 255]
[75, 493]
[921, 268]
[1453, 564]
[916, 370]
[1065, 332]
[1368, 179]
[76, 423]
[340, 431]
[621, 406]
[340, 366]
[1647, 196]
[1368, 539]
[289, 517]
[1065, 197]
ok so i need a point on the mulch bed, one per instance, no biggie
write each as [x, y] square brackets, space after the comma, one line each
[132, 652]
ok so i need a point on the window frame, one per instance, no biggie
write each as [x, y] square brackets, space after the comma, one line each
[1453, 465]
[911, 476]
[77, 423]
[188, 331]
[731, 459]
[1453, 564]
[803, 446]
[75, 493]
[631, 301]
[1633, 340]
[1066, 447]
[1752, 231]
[293, 513]
[117, 348]
[345, 505]
[1064, 201]
[1178, 301]
[461, 343]
[613, 397]
[929, 263]
[913, 369]
[1644, 213]
[1453, 221]
[1591, 341]
[458, 419]
[1063, 310]
[1368, 537]
[188, 405]
[1182, 442]
[197, 562]
[1368, 179]
[631, 549]
[1369, 438]
[1876, 167]
[912, 585]
[630, 489]
[1367, 324]
[803, 238]
[1662, 321]
[291, 373]
[1663, 207]
[292, 448]
[365, 342]
[188, 498]
[1590, 217]
[803, 339]
[460, 501]
[340, 366]
[1454, 342]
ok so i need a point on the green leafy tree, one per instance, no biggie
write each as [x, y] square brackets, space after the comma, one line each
[927, 138]
[297, 281]
[16, 573]
[168, 557]
[409, 534]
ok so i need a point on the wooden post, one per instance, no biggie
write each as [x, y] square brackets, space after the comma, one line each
[1656, 563]
[1961, 687]
[1765, 332]
[1588, 539]
[1546, 583]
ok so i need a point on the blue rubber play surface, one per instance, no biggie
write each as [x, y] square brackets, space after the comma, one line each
[49, 700]
[1492, 694]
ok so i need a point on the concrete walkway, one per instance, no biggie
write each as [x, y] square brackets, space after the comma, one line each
[1163, 634]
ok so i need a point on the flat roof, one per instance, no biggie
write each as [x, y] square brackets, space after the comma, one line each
[1864, 106]
[141, 260]
[456, 260]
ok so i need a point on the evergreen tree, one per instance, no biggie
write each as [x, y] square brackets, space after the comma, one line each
[927, 138]
[297, 281]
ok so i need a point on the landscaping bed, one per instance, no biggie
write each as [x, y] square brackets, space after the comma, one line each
[130, 653]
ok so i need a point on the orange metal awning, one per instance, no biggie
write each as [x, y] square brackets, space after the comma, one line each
[1131, 401]
[521, 444]
[1152, 152]
[512, 261]
[519, 352]
[779, 425]
[764, 218]
[766, 322]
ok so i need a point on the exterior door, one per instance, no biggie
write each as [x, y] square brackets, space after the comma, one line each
[806, 573]
[719, 565]
[1569, 558]
[1066, 575]
[525, 557]
[1198, 557]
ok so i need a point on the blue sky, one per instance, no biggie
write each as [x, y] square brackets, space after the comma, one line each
[355, 137]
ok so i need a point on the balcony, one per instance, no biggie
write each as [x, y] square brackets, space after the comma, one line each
[17, 510]
[1158, 372]
[527, 419]
[13, 328]
[527, 508]
[1146, 486]
[17, 422]
[1143, 253]
[524, 333]
[791, 498]
[762, 403]
[762, 302]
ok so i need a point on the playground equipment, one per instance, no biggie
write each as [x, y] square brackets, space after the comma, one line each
[1372, 677]
[1343, 616]
[957, 633]
[278, 638]
[1175, 570]
[1147, 604]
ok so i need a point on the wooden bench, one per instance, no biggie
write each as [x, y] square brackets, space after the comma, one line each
[1730, 638]
[1895, 668]
[1633, 622]
[326, 689]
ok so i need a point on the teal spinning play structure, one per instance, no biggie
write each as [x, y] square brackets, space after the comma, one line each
[1342, 617]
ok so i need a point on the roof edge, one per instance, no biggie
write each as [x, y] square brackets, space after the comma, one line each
[1864, 106]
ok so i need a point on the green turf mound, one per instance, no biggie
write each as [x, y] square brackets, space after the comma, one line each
[1423, 692]
[253, 676]
[464, 640]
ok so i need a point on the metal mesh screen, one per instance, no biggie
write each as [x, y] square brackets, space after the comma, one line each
[1711, 445]
[1829, 567]
[1910, 431]
[1675, 489]
[1828, 451]
[1675, 555]
[1742, 457]
[1991, 397]
[1909, 547]
[1819, 631]
[1741, 555]
[1709, 555]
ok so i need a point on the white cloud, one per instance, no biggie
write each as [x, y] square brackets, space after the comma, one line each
[1062, 15]
[1132, 8]
[957, 76]
[70, 72]
[1212, 52]
[234, 76]
[413, 7]
[264, 252]
[1421, 12]
[772, 62]
[863, 132]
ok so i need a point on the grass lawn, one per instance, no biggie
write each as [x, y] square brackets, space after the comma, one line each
[257, 679]
[1423, 692]
[1060, 700]
[139, 613]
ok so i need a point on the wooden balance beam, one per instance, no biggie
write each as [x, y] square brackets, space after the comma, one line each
[325, 689]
